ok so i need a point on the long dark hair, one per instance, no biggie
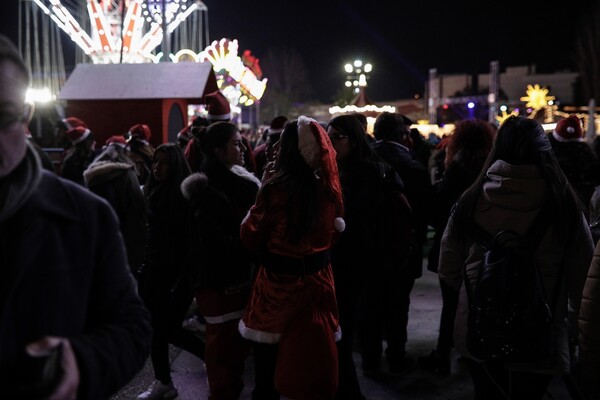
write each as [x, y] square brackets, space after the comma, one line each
[350, 125]
[178, 170]
[299, 183]
[522, 141]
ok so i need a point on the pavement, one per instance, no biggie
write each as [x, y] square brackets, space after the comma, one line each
[189, 374]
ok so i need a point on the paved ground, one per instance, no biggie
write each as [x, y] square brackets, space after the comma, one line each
[189, 374]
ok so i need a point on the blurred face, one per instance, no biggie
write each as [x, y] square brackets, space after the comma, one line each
[341, 143]
[13, 117]
[160, 166]
[233, 152]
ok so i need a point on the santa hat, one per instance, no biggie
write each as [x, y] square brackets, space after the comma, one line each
[568, 129]
[72, 122]
[117, 140]
[217, 107]
[277, 125]
[141, 132]
[318, 152]
[76, 130]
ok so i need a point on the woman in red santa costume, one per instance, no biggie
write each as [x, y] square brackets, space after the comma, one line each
[292, 316]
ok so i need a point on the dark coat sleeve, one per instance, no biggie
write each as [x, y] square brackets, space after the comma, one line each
[115, 344]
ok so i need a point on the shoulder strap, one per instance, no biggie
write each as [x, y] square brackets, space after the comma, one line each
[533, 237]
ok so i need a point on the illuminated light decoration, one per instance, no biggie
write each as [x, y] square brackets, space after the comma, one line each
[537, 97]
[232, 72]
[181, 17]
[101, 32]
[422, 122]
[103, 44]
[470, 105]
[502, 117]
[367, 108]
[184, 55]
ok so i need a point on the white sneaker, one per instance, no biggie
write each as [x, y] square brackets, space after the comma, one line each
[159, 391]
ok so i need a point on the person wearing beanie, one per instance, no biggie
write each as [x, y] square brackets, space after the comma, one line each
[112, 176]
[72, 324]
[294, 222]
[82, 151]
[141, 151]
[575, 156]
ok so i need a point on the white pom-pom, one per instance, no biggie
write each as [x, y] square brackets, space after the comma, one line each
[339, 224]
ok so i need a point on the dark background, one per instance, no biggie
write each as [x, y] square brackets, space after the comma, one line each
[402, 39]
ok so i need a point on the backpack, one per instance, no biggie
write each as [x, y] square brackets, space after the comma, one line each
[509, 318]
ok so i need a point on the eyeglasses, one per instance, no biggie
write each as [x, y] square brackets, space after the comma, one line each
[8, 118]
[336, 137]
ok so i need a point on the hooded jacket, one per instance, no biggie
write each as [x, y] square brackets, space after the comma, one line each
[511, 198]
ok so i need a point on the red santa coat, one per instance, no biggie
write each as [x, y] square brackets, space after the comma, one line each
[297, 311]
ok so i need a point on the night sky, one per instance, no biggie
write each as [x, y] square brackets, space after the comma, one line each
[402, 39]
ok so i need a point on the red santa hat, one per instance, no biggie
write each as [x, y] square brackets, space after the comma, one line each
[76, 130]
[141, 132]
[217, 107]
[568, 129]
[318, 152]
[117, 140]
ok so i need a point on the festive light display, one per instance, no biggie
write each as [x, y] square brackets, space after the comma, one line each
[114, 39]
[238, 82]
[537, 97]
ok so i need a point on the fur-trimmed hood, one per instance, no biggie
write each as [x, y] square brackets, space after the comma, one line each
[103, 168]
[194, 185]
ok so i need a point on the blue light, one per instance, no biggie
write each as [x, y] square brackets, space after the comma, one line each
[471, 104]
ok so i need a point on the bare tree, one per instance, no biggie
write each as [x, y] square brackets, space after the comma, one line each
[587, 54]
[287, 81]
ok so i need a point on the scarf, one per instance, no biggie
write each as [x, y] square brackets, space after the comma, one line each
[16, 188]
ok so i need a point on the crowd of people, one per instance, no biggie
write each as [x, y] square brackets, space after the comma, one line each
[277, 245]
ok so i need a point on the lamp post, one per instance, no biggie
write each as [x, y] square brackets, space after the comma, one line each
[357, 74]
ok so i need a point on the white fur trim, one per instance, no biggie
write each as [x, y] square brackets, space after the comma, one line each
[258, 336]
[219, 319]
[81, 138]
[338, 334]
[117, 144]
[307, 142]
[220, 117]
[339, 224]
[244, 173]
[562, 139]
[245, 218]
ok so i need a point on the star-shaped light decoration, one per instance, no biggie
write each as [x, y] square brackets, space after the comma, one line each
[537, 97]
[502, 117]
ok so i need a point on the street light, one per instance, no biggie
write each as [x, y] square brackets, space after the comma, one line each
[357, 75]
